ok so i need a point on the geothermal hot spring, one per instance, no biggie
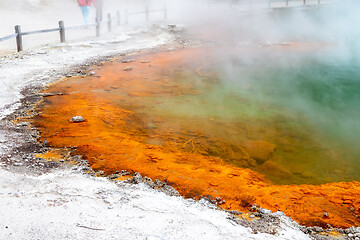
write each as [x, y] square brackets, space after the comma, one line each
[276, 125]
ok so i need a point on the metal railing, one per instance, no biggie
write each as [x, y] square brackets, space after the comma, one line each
[62, 29]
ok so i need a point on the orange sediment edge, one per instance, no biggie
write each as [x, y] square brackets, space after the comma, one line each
[54, 155]
[106, 141]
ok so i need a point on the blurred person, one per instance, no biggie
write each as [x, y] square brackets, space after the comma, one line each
[85, 9]
[99, 4]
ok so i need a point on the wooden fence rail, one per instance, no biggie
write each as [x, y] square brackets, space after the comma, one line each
[286, 2]
[8, 37]
[62, 29]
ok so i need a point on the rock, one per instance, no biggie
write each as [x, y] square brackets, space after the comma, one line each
[92, 73]
[100, 173]
[254, 207]
[259, 150]
[137, 178]
[128, 69]
[77, 119]
[113, 176]
[158, 183]
[234, 212]
[149, 181]
[326, 215]
[263, 211]
[46, 143]
[318, 229]
[128, 60]
[23, 124]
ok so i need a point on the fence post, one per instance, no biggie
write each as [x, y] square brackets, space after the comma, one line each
[304, 2]
[118, 17]
[147, 13]
[269, 3]
[318, 2]
[18, 38]
[287, 2]
[97, 21]
[109, 22]
[62, 31]
[165, 12]
[126, 16]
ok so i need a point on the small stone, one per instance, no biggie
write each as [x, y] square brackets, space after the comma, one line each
[128, 69]
[145, 61]
[318, 229]
[137, 178]
[46, 143]
[147, 179]
[92, 73]
[128, 60]
[326, 214]
[77, 119]
[350, 235]
[113, 176]
[254, 207]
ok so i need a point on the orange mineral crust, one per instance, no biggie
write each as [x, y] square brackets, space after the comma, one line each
[118, 134]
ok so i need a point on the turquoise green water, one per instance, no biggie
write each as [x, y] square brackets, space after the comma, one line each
[319, 101]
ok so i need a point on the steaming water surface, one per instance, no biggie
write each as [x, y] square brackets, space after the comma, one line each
[314, 103]
[305, 106]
